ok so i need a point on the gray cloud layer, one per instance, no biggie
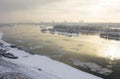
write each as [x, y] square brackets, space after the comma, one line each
[11, 5]
[47, 10]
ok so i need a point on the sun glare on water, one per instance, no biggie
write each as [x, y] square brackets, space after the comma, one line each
[113, 51]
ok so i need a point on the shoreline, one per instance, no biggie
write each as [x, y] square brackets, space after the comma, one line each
[44, 65]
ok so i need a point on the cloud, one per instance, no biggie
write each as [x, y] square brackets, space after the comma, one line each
[11, 5]
[59, 10]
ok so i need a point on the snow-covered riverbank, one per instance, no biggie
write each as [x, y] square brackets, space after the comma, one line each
[42, 67]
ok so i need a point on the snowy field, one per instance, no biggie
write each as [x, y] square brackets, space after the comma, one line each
[42, 67]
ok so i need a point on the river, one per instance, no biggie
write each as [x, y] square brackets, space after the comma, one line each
[69, 50]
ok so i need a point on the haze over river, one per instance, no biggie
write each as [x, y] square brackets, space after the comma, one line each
[85, 48]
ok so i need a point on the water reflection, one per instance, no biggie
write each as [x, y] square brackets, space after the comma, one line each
[83, 48]
[83, 44]
[110, 46]
[112, 50]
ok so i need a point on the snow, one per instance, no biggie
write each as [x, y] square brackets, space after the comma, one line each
[93, 67]
[49, 69]
[65, 33]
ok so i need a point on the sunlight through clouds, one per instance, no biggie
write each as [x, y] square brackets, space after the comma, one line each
[48, 10]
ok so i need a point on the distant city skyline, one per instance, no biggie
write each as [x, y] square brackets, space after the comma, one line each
[59, 10]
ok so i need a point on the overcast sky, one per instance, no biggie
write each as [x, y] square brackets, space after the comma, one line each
[59, 10]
